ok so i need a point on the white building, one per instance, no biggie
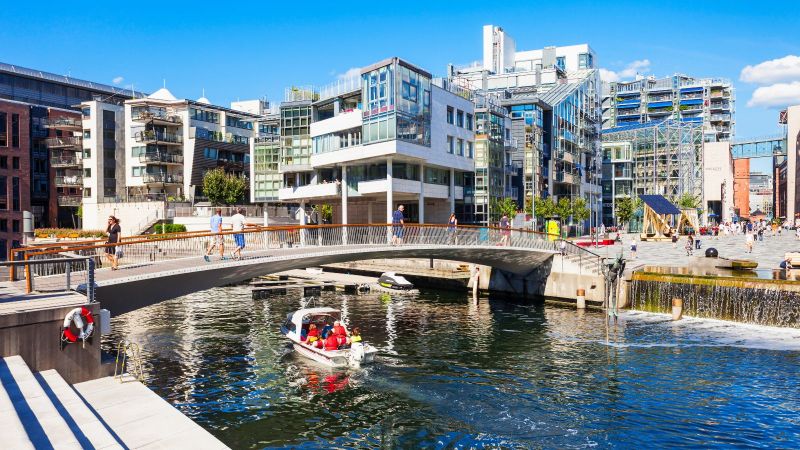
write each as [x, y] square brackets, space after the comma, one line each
[388, 137]
[103, 151]
[170, 143]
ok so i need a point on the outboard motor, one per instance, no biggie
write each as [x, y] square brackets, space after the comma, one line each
[356, 354]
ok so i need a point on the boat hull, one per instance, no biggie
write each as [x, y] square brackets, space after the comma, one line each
[337, 358]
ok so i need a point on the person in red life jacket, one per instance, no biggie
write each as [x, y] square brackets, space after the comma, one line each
[331, 342]
[340, 332]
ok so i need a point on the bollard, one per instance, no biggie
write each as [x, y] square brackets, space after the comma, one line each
[476, 277]
[677, 309]
[581, 299]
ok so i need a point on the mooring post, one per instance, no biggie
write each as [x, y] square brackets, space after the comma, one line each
[476, 276]
[580, 299]
[677, 309]
[90, 280]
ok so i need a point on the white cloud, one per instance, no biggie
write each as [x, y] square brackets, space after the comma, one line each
[640, 66]
[777, 95]
[118, 80]
[352, 72]
[773, 71]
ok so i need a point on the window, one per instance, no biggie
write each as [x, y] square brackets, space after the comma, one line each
[469, 121]
[3, 162]
[460, 148]
[15, 226]
[138, 151]
[4, 225]
[87, 153]
[87, 192]
[561, 62]
[15, 162]
[137, 171]
[450, 144]
[87, 173]
[15, 130]
[470, 150]
[585, 61]
[15, 194]
[3, 129]
[87, 134]
[3, 193]
[450, 115]
[210, 153]
[460, 118]
[3, 249]
[87, 112]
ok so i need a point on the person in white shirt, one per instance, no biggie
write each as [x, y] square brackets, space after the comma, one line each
[238, 223]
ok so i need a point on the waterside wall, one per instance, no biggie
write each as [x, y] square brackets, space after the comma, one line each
[748, 300]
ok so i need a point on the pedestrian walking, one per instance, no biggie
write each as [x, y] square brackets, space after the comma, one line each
[238, 222]
[505, 230]
[696, 241]
[761, 234]
[797, 233]
[748, 241]
[689, 247]
[563, 247]
[674, 239]
[217, 239]
[633, 248]
[398, 222]
[113, 230]
[452, 224]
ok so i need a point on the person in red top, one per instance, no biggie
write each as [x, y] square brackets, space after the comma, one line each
[313, 336]
[332, 342]
[340, 332]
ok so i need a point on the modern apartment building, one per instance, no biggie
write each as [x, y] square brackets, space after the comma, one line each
[170, 143]
[103, 155]
[552, 96]
[43, 125]
[390, 136]
[709, 101]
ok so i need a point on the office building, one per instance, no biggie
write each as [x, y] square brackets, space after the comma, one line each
[761, 193]
[390, 136]
[708, 101]
[552, 96]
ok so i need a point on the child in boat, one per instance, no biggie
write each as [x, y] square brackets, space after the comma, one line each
[313, 334]
[355, 335]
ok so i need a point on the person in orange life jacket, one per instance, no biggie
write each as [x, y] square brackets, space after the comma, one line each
[332, 342]
[313, 334]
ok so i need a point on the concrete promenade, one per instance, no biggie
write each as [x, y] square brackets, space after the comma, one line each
[768, 253]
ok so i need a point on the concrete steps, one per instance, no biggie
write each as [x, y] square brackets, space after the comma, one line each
[42, 411]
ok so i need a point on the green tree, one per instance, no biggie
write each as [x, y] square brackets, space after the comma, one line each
[235, 188]
[687, 201]
[326, 212]
[626, 207]
[222, 188]
[580, 211]
[214, 186]
[505, 206]
[563, 208]
[543, 207]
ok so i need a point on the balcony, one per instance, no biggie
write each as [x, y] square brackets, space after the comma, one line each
[69, 200]
[345, 120]
[156, 117]
[65, 162]
[720, 117]
[64, 123]
[719, 93]
[69, 181]
[161, 159]
[720, 106]
[309, 191]
[64, 142]
[152, 137]
[162, 179]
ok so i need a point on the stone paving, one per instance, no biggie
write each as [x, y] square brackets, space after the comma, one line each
[767, 253]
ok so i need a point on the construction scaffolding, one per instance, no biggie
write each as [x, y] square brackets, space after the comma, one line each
[667, 157]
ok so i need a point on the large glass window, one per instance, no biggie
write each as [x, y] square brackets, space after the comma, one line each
[15, 198]
[469, 121]
[15, 130]
[450, 145]
[3, 129]
[3, 193]
[460, 118]
[397, 101]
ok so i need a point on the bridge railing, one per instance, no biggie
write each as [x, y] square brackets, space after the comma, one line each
[262, 241]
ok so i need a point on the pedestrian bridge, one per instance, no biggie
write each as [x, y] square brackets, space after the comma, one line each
[155, 268]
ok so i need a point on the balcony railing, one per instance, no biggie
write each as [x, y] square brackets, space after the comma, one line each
[161, 158]
[162, 178]
[65, 161]
[69, 180]
[64, 142]
[64, 123]
[157, 116]
[720, 105]
[340, 87]
[69, 200]
[720, 117]
[152, 136]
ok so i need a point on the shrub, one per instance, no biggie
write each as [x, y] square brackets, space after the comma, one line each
[166, 228]
[68, 233]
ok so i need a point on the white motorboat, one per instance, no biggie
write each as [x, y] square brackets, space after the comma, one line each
[393, 281]
[296, 326]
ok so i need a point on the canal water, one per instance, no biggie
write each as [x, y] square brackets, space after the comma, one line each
[453, 373]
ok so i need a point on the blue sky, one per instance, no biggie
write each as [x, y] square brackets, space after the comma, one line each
[247, 50]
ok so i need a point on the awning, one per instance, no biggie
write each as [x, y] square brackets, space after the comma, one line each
[659, 104]
[692, 101]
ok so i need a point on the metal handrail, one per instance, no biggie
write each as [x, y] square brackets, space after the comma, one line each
[67, 260]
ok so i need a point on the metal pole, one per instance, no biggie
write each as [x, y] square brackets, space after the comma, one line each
[68, 273]
[90, 280]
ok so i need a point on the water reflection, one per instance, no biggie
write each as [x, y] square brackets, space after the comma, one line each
[453, 372]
